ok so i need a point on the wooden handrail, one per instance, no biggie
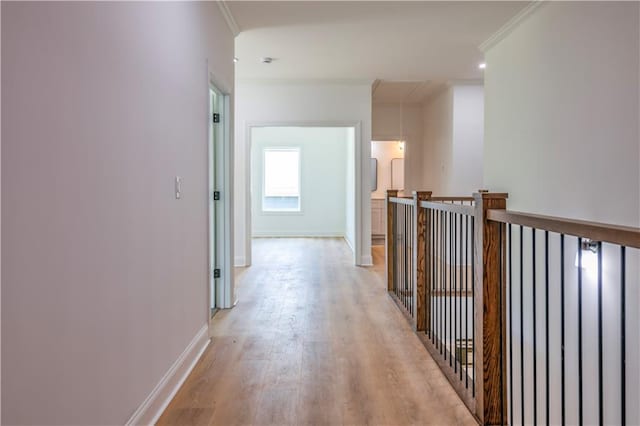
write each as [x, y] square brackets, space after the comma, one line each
[615, 234]
[401, 200]
[454, 208]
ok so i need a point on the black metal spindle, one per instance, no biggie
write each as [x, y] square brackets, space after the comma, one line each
[433, 273]
[473, 306]
[562, 362]
[580, 411]
[466, 302]
[442, 283]
[394, 238]
[404, 251]
[455, 308]
[535, 351]
[459, 286]
[450, 280]
[521, 325]
[546, 320]
[510, 329]
[623, 359]
[406, 255]
[600, 350]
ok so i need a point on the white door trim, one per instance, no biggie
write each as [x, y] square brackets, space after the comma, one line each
[359, 222]
[223, 169]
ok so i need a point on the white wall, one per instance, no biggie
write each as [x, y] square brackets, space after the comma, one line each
[438, 142]
[321, 103]
[323, 185]
[384, 152]
[453, 140]
[468, 138]
[562, 139]
[395, 121]
[105, 273]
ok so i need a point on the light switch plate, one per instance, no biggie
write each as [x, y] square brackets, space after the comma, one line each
[178, 187]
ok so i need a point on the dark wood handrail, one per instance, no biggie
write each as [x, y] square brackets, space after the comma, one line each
[616, 234]
[454, 208]
[401, 200]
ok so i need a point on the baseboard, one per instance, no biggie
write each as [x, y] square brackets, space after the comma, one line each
[239, 261]
[154, 405]
[349, 243]
[297, 234]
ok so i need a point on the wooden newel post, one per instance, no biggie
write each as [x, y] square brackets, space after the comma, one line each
[389, 237]
[489, 332]
[420, 260]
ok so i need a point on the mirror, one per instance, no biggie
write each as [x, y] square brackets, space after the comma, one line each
[374, 174]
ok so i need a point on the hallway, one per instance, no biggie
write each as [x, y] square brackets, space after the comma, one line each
[314, 340]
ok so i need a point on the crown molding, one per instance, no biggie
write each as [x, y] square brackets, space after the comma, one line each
[228, 17]
[512, 24]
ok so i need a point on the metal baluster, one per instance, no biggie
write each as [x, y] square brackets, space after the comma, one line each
[623, 408]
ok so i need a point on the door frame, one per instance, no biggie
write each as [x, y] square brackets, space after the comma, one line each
[222, 155]
[358, 195]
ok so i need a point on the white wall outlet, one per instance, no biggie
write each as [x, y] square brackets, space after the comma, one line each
[178, 187]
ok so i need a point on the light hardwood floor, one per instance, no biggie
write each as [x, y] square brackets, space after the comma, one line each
[314, 340]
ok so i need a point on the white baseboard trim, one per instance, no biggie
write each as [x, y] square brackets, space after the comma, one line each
[154, 405]
[353, 250]
[239, 261]
[366, 260]
[297, 234]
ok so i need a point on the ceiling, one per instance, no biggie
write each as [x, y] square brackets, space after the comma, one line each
[365, 40]
[407, 92]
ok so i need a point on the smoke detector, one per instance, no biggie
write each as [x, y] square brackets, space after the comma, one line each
[266, 60]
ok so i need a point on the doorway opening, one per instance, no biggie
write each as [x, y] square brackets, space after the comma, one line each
[303, 183]
[387, 172]
[220, 286]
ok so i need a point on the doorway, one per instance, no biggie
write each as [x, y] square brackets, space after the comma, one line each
[304, 182]
[387, 172]
[220, 287]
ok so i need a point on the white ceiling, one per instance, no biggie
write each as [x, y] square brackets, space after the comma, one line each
[365, 40]
[407, 92]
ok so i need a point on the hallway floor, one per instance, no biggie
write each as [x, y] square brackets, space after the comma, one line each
[314, 340]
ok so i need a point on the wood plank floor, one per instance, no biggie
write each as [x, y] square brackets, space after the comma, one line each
[314, 340]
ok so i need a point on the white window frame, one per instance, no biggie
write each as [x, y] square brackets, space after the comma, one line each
[262, 195]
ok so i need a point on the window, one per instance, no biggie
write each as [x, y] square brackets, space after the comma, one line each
[281, 180]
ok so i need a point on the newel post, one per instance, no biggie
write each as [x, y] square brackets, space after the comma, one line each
[490, 310]
[389, 237]
[420, 259]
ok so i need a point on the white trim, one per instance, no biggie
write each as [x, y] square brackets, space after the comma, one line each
[228, 17]
[239, 262]
[358, 165]
[300, 234]
[225, 287]
[512, 24]
[349, 243]
[154, 405]
[366, 261]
